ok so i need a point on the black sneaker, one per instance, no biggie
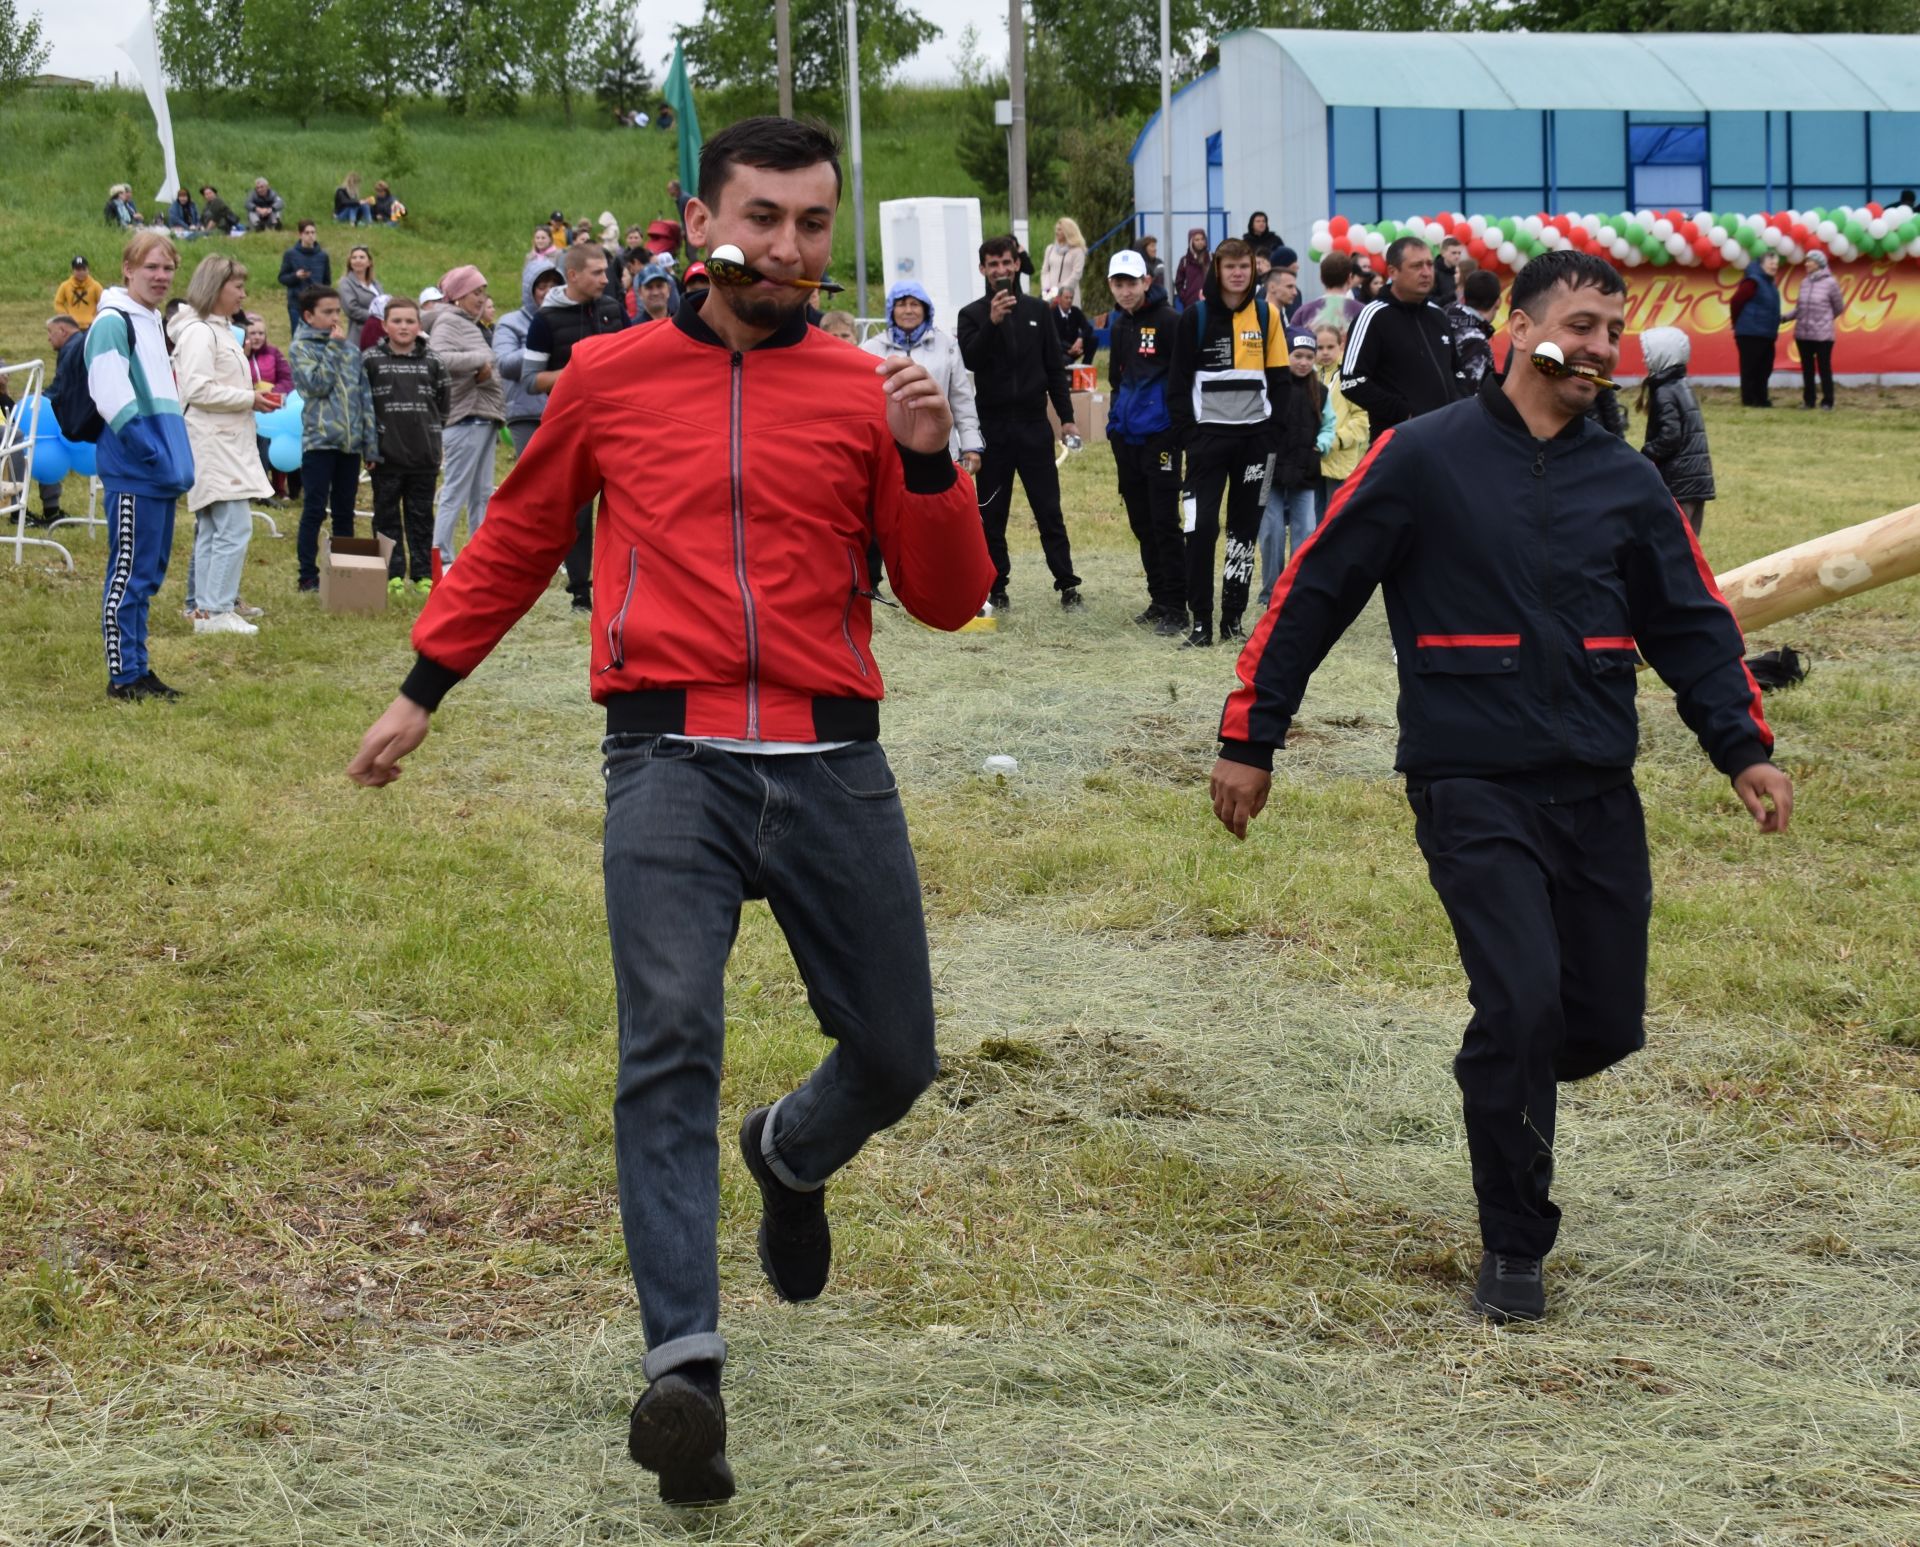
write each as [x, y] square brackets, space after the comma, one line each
[1231, 628]
[583, 604]
[679, 1431]
[999, 603]
[796, 1245]
[1150, 617]
[1510, 1289]
[1070, 600]
[1199, 637]
[1172, 625]
[310, 586]
[140, 688]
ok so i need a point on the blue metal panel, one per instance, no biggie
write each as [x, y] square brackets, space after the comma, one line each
[1737, 148]
[1419, 147]
[1896, 154]
[1667, 118]
[1504, 147]
[1830, 148]
[1608, 200]
[1589, 149]
[1353, 147]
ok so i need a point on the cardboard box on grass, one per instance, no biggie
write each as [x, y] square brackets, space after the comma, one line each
[353, 573]
[1089, 415]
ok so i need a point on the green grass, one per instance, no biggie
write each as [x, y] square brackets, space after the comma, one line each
[479, 187]
[307, 1221]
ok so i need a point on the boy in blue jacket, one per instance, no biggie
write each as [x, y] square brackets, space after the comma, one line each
[1146, 451]
[144, 460]
[1528, 559]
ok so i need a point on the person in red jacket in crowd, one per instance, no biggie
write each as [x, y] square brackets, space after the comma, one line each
[744, 462]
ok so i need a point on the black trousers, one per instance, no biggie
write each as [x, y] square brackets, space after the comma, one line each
[580, 555]
[1023, 447]
[1549, 905]
[1756, 366]
[332, 482]
[1816, 355]
[403, 510]
[1237, 474]
[1149, 478]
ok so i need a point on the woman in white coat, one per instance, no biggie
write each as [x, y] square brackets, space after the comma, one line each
[1064, 263]
[218, 395]
[910, 332]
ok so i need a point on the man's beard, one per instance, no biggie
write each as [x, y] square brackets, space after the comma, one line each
[758, 311]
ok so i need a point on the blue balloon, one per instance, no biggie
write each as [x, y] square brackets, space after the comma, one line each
[49, 460]
[36, 419]
[283, 451]
[293, 405]
[83, 456]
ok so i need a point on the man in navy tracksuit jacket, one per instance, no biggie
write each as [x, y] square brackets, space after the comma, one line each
[1146, 449]
[1527, 560]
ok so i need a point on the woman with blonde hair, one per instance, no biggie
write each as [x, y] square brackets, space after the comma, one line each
[1064, 261]
[348, 207]
[218, 395]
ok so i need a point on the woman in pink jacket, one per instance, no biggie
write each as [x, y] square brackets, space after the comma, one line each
[1816, 310]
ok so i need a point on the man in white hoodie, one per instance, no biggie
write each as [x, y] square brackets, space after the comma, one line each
[145, 462]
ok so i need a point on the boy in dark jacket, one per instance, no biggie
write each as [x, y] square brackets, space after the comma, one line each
[1229, 367]
[1303, 433]
[302, 267]
[411, 395]
[1676, 433]
[1527, 560]
[1146, 450]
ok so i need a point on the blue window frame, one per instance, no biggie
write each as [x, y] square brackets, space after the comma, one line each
[1667, 165]
[1216, 190]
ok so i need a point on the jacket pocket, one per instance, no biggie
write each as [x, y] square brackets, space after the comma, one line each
[617, 624]
[1611, 654]
[1467, 655]
[854, 591]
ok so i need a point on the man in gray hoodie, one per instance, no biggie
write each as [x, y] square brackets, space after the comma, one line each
[524, 405]
[478, 408]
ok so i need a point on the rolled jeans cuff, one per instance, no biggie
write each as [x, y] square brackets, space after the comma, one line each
[772, 1156]
[696, 1348]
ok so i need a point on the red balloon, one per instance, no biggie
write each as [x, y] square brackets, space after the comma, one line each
[1477, 249]
[1708, 253]
[1800, 233]
[1337, 226]
[1379, 261]
[1463, 231]
[1874, 209]
[1690, 231]
[1564, 225]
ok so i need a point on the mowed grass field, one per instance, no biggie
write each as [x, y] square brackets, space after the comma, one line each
[307, 1219]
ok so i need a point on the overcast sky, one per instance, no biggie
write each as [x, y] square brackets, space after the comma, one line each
[83, 32]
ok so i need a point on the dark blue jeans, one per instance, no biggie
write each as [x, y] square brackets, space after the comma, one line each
[330, 478]
[692, 832]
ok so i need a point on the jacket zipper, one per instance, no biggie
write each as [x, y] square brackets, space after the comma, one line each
[1555, 667]
[736, 466]
[846, 618]
[617, 624]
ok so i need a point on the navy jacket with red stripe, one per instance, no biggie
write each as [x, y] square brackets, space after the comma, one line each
[1520, 576]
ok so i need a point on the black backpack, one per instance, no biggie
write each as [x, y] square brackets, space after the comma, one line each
[73, 406]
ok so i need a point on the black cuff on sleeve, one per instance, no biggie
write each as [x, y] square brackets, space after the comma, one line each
[1744, 755]
[428, 683]
[928, 472]
[1255, 754]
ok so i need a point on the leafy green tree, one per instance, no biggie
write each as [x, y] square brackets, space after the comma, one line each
[732, 44]
[391, 44]
[1098, 194]
[620, 77]
[23, 50]
[481, 54]
[394, 153]
[1716, 16]
[196, 43]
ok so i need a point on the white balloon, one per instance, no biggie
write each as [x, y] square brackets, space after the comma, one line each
[1877, 227]
[1717, 234]
[1477, 224]
[1533, 225]
[1662, 229]
[1436, 233]
[1644, 217]
[1507, 254]
[1826, 231]
[1605, 235]
[1913, 248]
[1771, 237]
[1675, 244]
[1376, 242]
[1732, 251]
[1593, 223]
[1620, 247]
[1755, 223]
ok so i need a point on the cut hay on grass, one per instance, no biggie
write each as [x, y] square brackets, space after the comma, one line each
[307, 1226]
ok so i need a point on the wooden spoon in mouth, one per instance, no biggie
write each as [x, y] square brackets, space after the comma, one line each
[728, 266]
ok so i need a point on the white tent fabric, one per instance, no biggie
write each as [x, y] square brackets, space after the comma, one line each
[143, 49]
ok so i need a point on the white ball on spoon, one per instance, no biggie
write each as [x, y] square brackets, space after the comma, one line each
[1547, 349]
[728, 253]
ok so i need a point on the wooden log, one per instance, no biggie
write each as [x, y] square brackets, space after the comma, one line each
[1825, 569]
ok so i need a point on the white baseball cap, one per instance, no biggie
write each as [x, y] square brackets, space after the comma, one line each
[1126, 262]
[431, 294]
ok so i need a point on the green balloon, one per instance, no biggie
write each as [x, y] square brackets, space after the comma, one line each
[1908, 229]
[1658, 256]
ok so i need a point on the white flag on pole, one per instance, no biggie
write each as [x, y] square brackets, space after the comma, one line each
[143, 49]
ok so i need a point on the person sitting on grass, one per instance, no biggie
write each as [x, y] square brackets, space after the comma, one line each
[349, 209]
[214, 214]
[385, 207]
[411, 395]
[264, 207]
[121, 212]
[336, 423]
[181, 216]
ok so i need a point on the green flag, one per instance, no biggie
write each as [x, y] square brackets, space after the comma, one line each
[678, 93]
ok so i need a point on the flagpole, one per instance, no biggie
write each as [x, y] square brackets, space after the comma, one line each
[859, 186]
[783, 48]
[1166, 133]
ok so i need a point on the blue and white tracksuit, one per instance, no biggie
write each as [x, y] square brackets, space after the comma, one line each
[145, 466]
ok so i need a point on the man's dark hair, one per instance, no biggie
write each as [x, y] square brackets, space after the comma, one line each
[313, 295]
[1482, 290]
[1335, 270]
[1575, 270]
[306, 225]
[1398, 250]
[999, 247]
[776, 144]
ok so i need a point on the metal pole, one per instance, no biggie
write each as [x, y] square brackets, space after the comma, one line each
[859, 185]
[783, 45]
[1166, 132]
[1017, 138]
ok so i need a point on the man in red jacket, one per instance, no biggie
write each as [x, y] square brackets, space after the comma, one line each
[744, 463]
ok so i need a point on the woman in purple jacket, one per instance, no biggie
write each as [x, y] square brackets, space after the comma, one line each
[1816, 311]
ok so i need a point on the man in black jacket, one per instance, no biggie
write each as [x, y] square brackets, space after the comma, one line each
[303, 266]
[411, 395]
[1399, 359]
[1078, 342]
[1008, 341]
[1140, 433]
[581, 308]
[1526, 557]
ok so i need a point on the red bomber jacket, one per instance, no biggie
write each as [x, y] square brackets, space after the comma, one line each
[739, 493]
